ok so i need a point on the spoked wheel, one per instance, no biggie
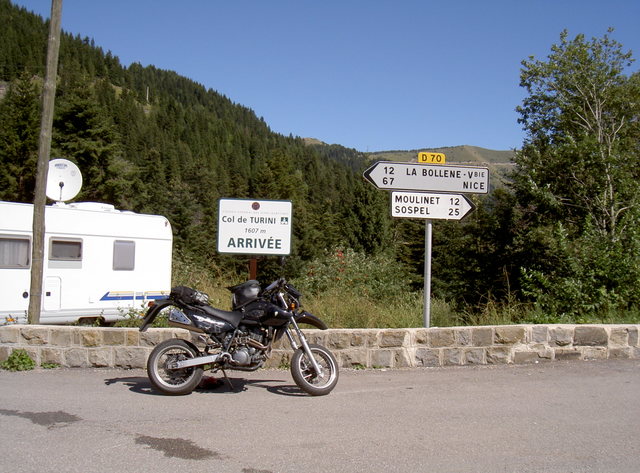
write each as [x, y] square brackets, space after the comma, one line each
[305, 376]
[173, 381]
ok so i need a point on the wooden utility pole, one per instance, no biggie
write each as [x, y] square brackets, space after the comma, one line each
[44, 150]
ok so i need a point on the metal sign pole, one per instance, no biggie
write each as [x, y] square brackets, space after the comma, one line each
[428, 232]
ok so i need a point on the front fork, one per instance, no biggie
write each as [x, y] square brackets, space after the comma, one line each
[305, 346]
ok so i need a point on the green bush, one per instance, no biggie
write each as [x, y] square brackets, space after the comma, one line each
[19, 360]
[595, 277]
[378, 277]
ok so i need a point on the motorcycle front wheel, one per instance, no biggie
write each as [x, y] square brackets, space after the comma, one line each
[305, 376]
[174, 382]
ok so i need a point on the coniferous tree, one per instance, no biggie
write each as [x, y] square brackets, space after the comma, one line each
[19, 126]
[85, 135]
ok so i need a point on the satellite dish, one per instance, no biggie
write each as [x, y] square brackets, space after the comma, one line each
[64, 180]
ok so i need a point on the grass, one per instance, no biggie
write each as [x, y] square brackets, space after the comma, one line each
[349, 307]
[406, 310]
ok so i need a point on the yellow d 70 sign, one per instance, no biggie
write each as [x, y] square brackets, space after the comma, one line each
[431, 158]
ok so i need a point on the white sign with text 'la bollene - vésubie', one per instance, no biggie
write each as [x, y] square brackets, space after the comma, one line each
[254, 227]
[388, 175]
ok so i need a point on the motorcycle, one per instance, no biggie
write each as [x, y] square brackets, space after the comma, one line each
[240, 339]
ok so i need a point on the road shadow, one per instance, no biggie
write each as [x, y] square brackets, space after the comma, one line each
[210, 384]
[136, 384]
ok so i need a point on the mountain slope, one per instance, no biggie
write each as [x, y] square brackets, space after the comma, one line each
[455, 155]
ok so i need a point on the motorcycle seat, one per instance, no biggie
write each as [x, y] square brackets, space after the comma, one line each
[232, 317]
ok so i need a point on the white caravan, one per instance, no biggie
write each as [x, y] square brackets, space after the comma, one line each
[99, 262]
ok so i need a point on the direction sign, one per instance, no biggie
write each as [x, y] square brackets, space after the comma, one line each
[254, 227]
[430, 206]
[428, 177]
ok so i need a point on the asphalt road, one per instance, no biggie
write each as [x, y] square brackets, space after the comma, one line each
[554, 417]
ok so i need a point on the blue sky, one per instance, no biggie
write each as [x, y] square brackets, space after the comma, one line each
[366, 74]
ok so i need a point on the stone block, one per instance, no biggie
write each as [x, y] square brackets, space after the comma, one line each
[76, 358]
[180, 333]
[280, 359]
[590, 336]
[420, 336]
[61, 336]
[340, 339]
[621, 353]
[282, 344]
[509, 335]
[360, 338]
[595, 353]
[114, 336]
[498, 355]
[452, 356]
[52, 355]
[130, 357]
[370, 337]
[313, 336]
[33, 352]
[35, 335]
[474, 356]
[354, 358]
[540, 334]
[401, 358]
[568, 354]
[132, 338]
[523, 357]
[151, 338]
[100, 357]
[633, 336]
[619, 336]
[561, 336]
[90, 337]
[482, 336]
[427, 357]
[10, 334]
[382, 358]
[441, 338]
[5, 352]
[393, 338]
[462, 337]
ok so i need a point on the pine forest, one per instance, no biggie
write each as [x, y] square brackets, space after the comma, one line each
[557, 240]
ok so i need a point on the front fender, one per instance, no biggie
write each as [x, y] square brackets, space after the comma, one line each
[153, 312]
[310, 319]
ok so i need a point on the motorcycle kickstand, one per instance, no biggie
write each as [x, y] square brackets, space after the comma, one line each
[226, 378]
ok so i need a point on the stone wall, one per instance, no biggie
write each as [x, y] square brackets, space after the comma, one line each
[83, 347]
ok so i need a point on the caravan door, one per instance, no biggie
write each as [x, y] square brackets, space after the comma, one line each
[51, 299]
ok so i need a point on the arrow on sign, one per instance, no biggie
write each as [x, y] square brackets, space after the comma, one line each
[430, 206]
[426, 177]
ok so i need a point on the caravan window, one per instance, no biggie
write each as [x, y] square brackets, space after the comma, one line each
[15, 252]
[65, 250]
[124, 255]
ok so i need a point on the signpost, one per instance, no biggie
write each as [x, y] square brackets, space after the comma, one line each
[428, 177]
[254, 227]
[430, 206]
[438, 196]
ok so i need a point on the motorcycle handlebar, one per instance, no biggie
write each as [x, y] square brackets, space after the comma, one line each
[274, 284]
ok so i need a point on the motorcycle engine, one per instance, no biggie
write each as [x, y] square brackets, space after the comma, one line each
[242, 356]
[249, 348]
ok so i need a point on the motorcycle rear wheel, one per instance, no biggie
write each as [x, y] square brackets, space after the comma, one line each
[174, 382]
[306, 378]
